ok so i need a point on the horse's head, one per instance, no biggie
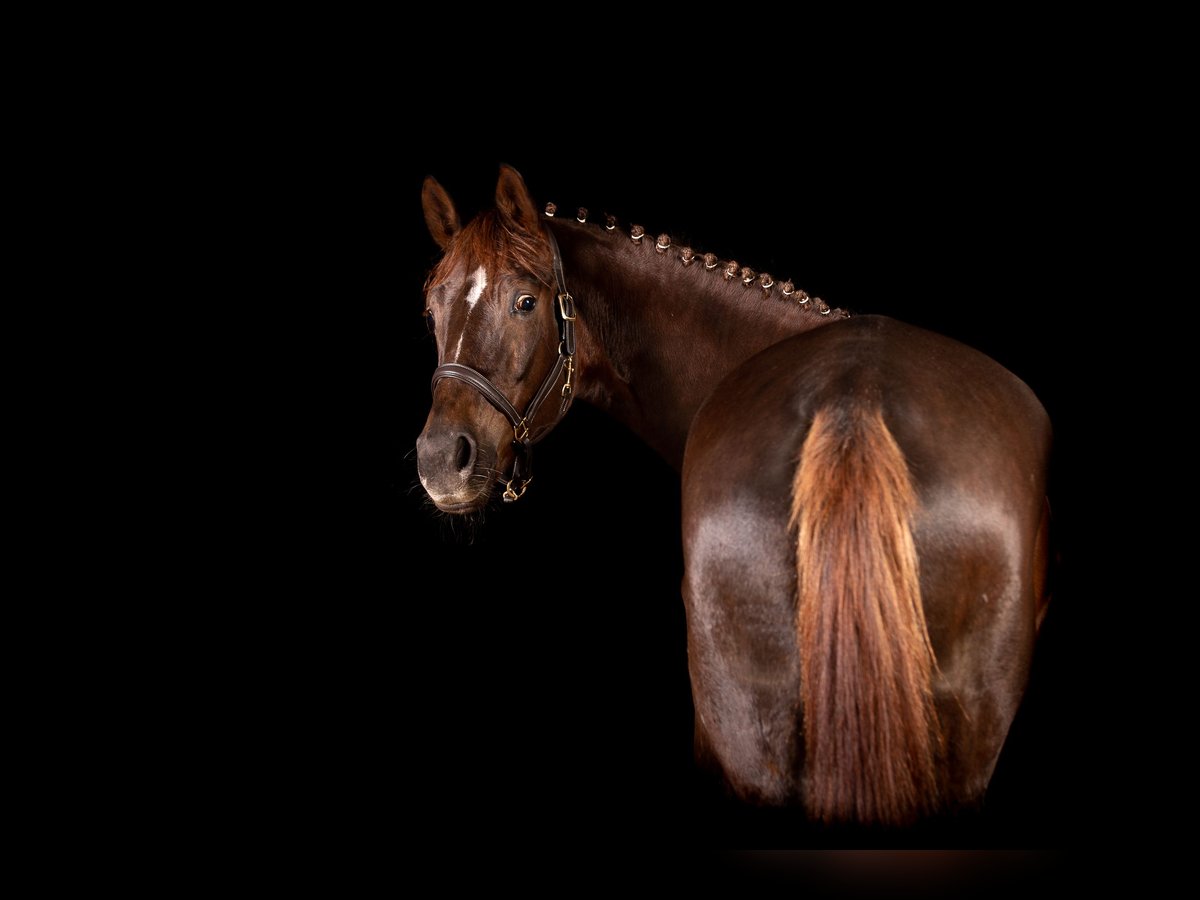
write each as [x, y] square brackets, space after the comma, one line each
[504, 345]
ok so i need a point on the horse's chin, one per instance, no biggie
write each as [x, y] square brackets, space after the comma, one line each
[462, 503]
[464, 507]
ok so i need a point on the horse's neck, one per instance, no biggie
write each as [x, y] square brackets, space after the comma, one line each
[656, 336]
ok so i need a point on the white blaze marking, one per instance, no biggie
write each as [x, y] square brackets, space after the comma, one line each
[473, 296]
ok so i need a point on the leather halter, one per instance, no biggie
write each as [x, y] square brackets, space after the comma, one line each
[564, 312]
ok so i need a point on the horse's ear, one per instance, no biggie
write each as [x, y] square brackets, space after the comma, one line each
[440, 214]
[513, 200]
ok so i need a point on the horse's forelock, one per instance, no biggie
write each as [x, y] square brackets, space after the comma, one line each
[495, 242]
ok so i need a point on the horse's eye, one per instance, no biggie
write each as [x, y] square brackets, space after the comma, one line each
[524, 303]
[429, 320]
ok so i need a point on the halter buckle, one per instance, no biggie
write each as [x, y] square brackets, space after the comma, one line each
[570, 367]
[566, 307]
[511, 496]
[520, 430]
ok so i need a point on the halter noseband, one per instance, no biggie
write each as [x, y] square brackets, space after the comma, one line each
[564, 312]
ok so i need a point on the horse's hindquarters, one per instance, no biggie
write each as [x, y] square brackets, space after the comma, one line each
[974, 442]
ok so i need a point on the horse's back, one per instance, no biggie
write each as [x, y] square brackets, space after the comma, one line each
[975, 440]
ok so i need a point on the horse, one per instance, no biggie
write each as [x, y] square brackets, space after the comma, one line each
[865, 522]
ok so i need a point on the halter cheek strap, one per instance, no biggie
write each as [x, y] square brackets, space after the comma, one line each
[564, 312]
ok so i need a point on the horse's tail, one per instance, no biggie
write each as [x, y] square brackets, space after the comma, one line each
[866, 663]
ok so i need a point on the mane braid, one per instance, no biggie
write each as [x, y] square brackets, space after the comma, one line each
[734, 274]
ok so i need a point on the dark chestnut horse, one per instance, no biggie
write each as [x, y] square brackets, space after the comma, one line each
[864, 513]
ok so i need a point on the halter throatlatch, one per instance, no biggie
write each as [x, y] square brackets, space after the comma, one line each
[564, 312]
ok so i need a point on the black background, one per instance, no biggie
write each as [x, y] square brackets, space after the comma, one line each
[534, 662]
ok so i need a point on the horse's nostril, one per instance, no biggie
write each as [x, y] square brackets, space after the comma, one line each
[464, 452]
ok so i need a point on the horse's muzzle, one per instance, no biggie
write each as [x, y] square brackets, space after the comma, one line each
[446, 465]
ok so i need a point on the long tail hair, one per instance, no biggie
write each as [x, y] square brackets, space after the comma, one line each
[866, 663]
